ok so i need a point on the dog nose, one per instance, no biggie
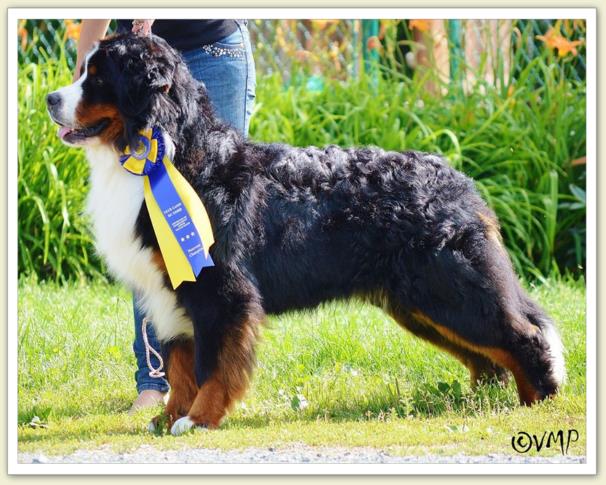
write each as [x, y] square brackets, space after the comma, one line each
[53, 99]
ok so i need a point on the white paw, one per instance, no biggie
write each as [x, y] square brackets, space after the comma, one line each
[151, 427]
[182, 425]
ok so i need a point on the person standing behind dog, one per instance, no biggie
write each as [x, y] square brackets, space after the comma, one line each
[218, 53]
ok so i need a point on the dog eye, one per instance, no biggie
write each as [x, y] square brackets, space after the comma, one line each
[97, 81]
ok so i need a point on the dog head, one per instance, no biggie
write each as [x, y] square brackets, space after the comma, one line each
[127, 83]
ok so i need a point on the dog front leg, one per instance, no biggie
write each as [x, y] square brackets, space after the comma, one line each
[226, 314]
[183, 388]
[224, 365]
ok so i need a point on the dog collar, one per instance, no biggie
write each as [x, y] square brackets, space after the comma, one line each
[179, 218]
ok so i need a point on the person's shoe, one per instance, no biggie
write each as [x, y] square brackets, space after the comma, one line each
[147, 399]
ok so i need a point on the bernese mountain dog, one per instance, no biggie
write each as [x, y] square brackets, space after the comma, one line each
[293, 227]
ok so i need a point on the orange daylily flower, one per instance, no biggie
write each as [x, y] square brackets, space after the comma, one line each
[22, 33]
[373, 42]
[554, 40]
[422, 25]
[72, 29]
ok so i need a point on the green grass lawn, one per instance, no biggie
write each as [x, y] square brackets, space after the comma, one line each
[345, 374]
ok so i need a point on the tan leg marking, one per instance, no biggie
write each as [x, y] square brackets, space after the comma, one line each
[182, 382]
[526, 390]
[231, 379]
[479, 366]
[211, 402]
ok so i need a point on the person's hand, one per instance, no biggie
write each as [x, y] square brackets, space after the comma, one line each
[142, 26]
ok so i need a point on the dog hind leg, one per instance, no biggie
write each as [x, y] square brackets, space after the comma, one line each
[482, 309]
[481, 369]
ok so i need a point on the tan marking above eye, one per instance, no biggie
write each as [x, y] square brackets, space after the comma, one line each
[92, 69]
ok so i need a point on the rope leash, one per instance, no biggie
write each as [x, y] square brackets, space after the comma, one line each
[148, 348]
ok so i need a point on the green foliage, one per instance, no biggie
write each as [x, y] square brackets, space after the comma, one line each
[54, 239]
[516, 142]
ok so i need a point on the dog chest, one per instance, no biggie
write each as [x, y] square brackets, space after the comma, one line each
[114, 201]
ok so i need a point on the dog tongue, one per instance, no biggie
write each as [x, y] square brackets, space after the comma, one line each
[63, 130]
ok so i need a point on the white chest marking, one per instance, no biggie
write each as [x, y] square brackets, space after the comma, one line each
[114, 201]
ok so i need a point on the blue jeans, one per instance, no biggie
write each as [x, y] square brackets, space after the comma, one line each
[227, 69]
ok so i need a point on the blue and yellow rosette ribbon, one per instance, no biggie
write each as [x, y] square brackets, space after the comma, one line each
[179, 219]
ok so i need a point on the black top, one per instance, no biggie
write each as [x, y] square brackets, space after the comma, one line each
[186, 34]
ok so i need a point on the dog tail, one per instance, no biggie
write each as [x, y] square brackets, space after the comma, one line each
[537, 317]
[521, 308]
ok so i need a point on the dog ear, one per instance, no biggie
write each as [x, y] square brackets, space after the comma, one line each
[134, 102]
[149, 71]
